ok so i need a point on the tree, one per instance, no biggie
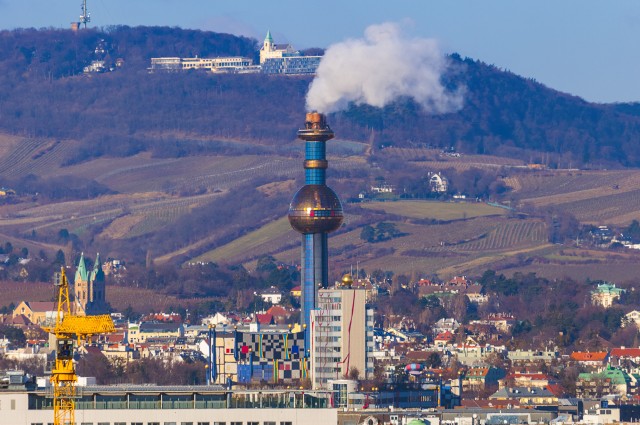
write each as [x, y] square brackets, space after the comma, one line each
[368, 234]
[60, 258]
[354, 373]
[434, 360]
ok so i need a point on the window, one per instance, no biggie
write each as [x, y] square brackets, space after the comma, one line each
[203, 423]
[86, 423]
[269, 423]
[236, 423]
[186, 423]
[119, 423]
[253, 423]
[103, 423]
[285, 423]
[219, 423]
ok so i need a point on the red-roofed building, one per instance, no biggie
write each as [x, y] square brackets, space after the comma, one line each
[478, 378]
[20, 321]
[556, 390]
[35, 311]
[619, 356]
[296, 291]
[424, 282]
[265, 319]
[279, 313]
[443, 339]
[162, 317]
[590, 359]
[459, 280]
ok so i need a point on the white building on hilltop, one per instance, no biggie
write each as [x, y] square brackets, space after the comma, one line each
[437, 182]
[220, 64]
[271, 50]
[284, 60]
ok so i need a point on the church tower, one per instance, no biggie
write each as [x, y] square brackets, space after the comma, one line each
[267, 47]
[89, 289]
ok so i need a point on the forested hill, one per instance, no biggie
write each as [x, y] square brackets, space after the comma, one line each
[44, 94]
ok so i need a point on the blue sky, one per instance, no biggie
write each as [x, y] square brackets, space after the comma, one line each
[584, 47]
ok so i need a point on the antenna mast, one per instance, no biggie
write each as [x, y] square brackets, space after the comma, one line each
[85, 17]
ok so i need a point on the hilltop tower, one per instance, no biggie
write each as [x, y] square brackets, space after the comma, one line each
[89, 289]
[315, 211]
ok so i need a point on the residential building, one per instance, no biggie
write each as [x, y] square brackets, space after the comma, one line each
[478, 378]
[271, 295]
[438, 182]
[594, 360]
[608, 381]
[624, 357]
[525, 379]
[446, 324]
[527, 396]
[522, 357]
[632, 317]
[37, 312]
[341, 335]
[144, 331]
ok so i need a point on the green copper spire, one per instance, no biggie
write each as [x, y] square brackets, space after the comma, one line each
[268, 37]
[81, 272]
[97, 273]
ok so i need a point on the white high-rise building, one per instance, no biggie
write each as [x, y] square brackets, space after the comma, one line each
[341, 335]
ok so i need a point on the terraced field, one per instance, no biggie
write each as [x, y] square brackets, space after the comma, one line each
[436, 210]
[540, 184]
[510, 235]
[267, 240]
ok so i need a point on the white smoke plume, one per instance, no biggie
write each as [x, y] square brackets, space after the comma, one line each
[379, 68]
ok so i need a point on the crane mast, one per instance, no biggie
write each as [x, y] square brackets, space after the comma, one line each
[70, 331]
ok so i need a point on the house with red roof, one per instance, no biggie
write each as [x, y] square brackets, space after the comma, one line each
[592, 359]
[620, 356]
[296, 291]
[265, 319]
[459, 280]
[279, 313]
[443, 339]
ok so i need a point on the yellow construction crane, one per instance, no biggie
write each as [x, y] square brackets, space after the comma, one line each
[68, 329]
